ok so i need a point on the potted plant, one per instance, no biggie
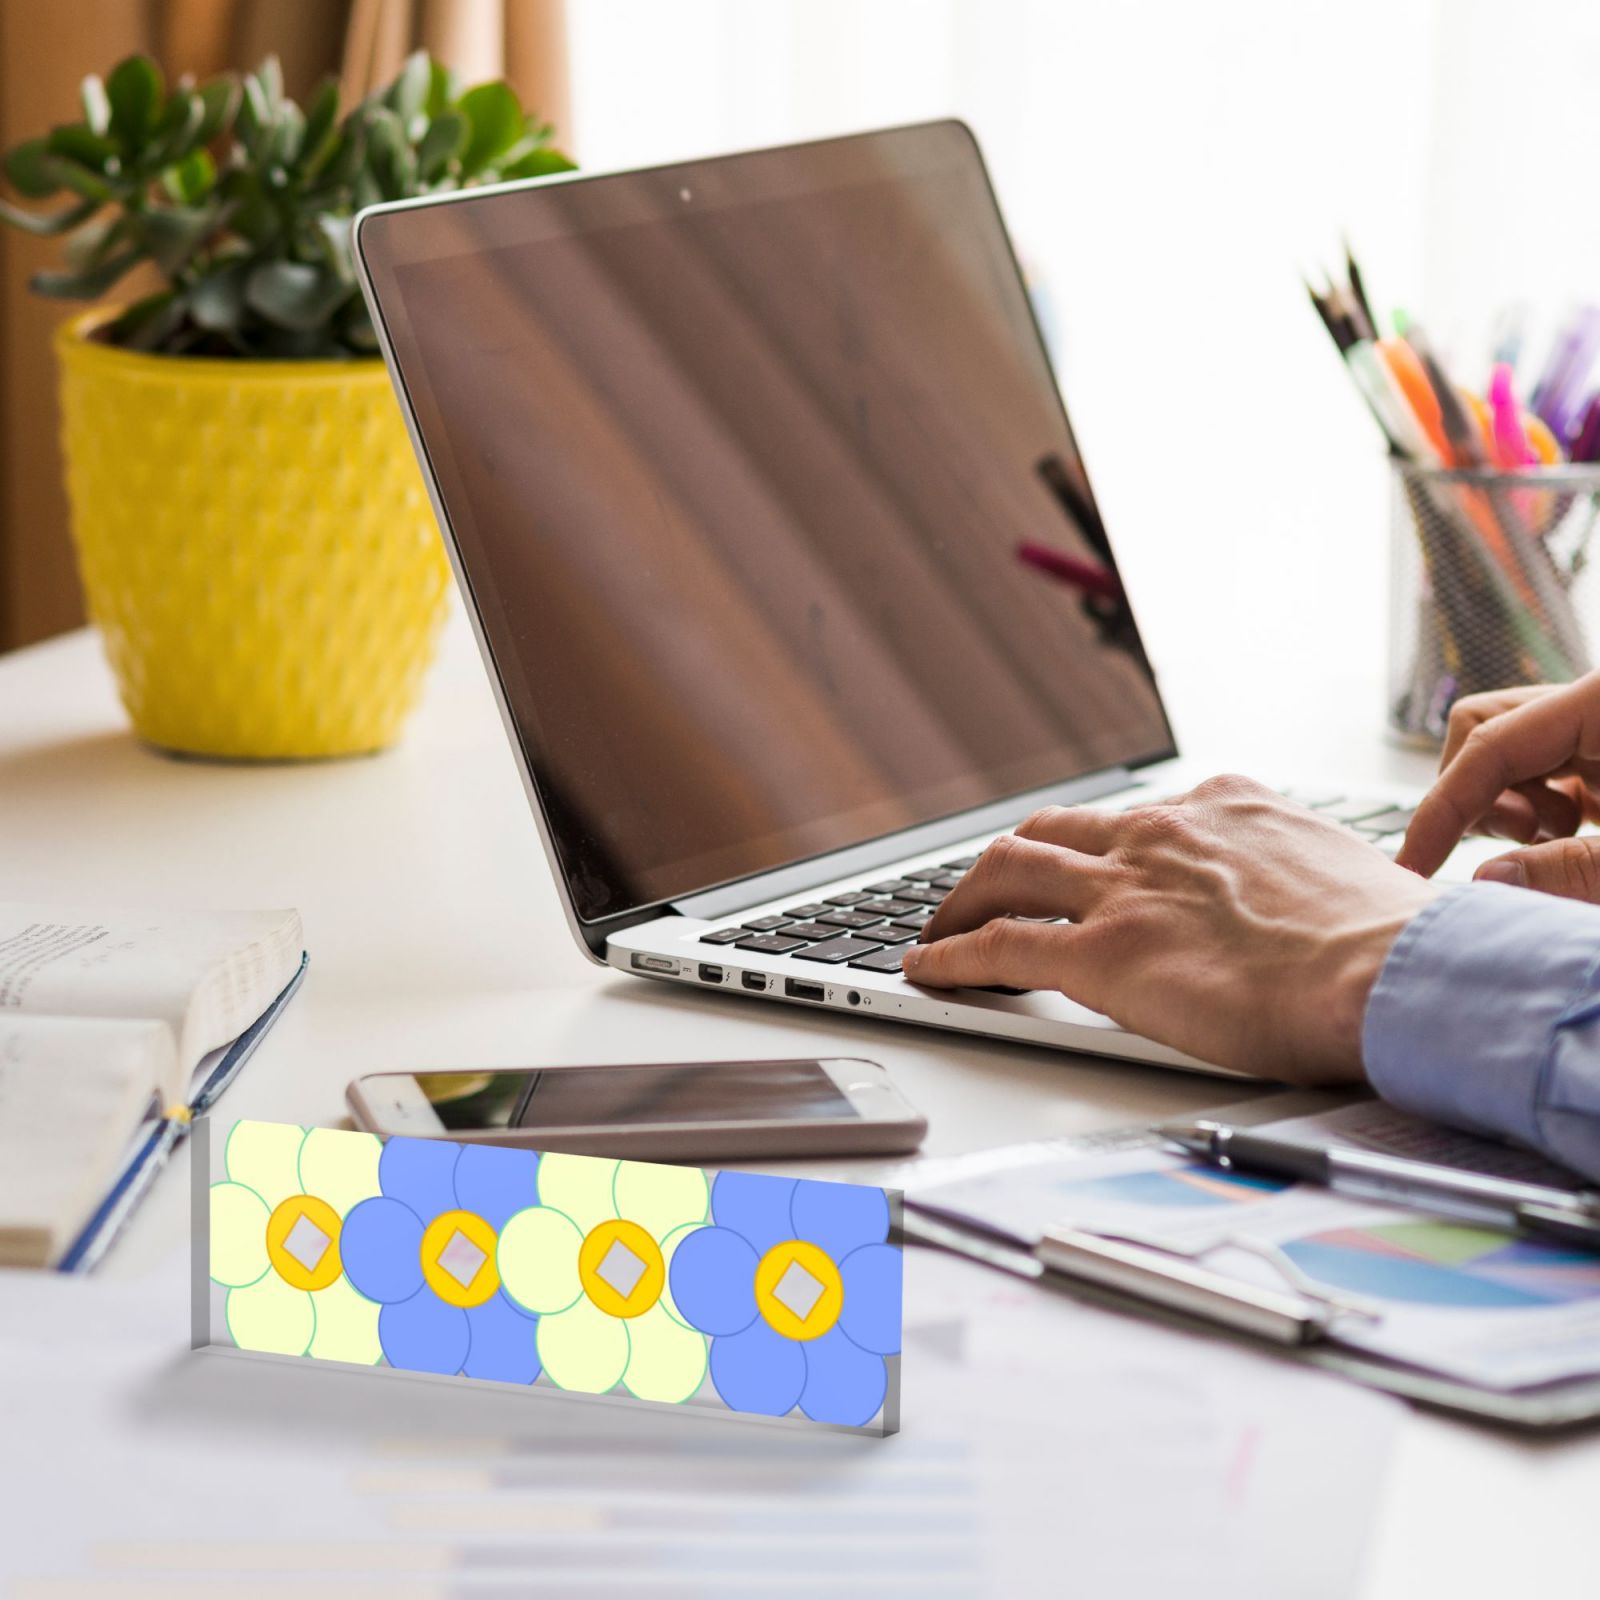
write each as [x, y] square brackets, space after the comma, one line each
[251, 526]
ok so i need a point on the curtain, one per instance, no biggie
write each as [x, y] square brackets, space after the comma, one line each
[45, 49]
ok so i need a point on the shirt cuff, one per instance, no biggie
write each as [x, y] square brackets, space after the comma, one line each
[1464, 1013]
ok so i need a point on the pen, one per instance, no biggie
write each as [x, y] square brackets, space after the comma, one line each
[1551, 1214]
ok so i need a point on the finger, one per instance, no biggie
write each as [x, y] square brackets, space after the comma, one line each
[1077, 827]
[1018, 877]
[1556, 813]
[1471, 710]
[1510, 817]
[1566, 867]
[1020, 955]
[1534, 739]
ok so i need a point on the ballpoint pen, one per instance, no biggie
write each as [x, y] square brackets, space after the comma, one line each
[1554, 1215]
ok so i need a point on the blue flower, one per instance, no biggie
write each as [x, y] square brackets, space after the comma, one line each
[425, 1250]
[800, 1292]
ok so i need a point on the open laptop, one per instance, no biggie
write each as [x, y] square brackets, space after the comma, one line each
[781, 555]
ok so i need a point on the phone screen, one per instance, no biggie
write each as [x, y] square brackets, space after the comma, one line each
[694, 1092]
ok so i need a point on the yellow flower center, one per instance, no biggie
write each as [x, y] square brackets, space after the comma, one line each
[303, 1242]
[620, 1268]
[458, 1258]
[799, 1292]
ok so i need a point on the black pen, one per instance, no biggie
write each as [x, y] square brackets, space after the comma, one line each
[1556, 1215]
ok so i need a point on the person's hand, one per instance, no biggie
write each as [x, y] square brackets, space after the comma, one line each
[1231, 924]
[1521, 764]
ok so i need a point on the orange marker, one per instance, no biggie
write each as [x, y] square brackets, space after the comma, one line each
[1408, 374]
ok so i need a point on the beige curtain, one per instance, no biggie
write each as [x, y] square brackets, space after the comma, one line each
[46, 47]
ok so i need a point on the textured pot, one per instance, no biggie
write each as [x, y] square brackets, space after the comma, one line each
[256, 546]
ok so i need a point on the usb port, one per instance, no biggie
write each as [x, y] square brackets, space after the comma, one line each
[753, 980]
[799, 989]
[643, 963]
[709, 973]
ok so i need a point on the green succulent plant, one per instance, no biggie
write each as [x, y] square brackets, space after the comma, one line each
[243, 200]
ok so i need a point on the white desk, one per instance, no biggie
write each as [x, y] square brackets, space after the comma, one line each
[429, 909]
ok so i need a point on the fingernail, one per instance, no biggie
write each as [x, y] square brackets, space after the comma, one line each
[1512, 872]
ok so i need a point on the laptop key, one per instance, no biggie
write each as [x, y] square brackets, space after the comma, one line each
[926, 874]
[965, 864]
[770, 944]
[1355, 810]
[894, 935]
[948, 881]
[887, 908]
[879, 961]
[926, 897]
[851, 919]
[1395, 821]
[914, 920]
[837, 950]
[722, 936]
[852, 899]
[813, 908]
[768, 924]
[810, 932]
[889, 886]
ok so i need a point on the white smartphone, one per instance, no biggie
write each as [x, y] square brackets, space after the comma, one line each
[682, 1111]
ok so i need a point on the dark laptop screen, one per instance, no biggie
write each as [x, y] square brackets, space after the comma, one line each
[741, 459]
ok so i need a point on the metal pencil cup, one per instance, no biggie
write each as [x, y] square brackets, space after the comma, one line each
[1487, 588]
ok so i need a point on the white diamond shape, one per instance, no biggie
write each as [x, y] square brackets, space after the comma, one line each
[307, 1243]
[461, 1258]
[798, 1290]
[621, 1268]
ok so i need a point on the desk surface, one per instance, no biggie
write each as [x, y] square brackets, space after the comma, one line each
[436, 939]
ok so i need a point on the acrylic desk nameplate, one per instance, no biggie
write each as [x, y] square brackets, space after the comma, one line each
[731, 1294]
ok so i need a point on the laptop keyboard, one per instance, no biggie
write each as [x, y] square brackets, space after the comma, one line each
[866, 927]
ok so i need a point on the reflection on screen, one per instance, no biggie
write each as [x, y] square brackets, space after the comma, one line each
[750, 492]
[580, 1097]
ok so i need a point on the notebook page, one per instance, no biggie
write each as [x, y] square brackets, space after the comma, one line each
[207, 975]
[72, 1090]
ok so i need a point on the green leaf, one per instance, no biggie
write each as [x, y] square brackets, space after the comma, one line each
[134, 90]
[444, 89]
[93, 242]
[50, 223]
[216, 301]
[178, 131]
[172, 234]
[321, 131]
[191, 180]
[496, 120]
[390, 159]
[408, 94]
[96, 107]
[288, 133]
[445, 139]
[220, 99]
[335, 235]
[149, 323]
[293, 295]
[30, 170]
[539, 164]
[270, 77]
[85, 147]
[255, 116]
[81, 180]
[85, 285]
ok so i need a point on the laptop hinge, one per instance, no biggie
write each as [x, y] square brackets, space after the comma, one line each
[804, 875]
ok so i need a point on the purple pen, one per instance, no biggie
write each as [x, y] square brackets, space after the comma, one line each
[1559, 403]
[1586, 447]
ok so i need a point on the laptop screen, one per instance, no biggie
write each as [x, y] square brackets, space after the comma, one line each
[764, 494]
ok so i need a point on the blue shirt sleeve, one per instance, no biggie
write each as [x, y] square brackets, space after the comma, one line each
[1486, 1014]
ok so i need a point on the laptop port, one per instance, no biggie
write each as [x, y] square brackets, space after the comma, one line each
[709, 973]
[753, 980]
[643, 963]
[799, 989]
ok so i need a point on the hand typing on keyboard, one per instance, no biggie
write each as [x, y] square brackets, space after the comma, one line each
[1231, 923]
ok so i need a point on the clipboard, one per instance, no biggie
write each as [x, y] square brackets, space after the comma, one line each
[1545, 1408]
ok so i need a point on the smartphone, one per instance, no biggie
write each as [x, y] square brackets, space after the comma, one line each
[676, 1111]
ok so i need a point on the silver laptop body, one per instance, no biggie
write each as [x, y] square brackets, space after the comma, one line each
[781, 555]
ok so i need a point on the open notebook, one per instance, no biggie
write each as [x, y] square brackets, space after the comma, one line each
[114, 1027]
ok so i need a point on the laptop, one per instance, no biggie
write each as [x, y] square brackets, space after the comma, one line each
[781, 555]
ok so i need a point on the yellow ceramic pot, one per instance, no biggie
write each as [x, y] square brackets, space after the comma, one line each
[256, 545]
